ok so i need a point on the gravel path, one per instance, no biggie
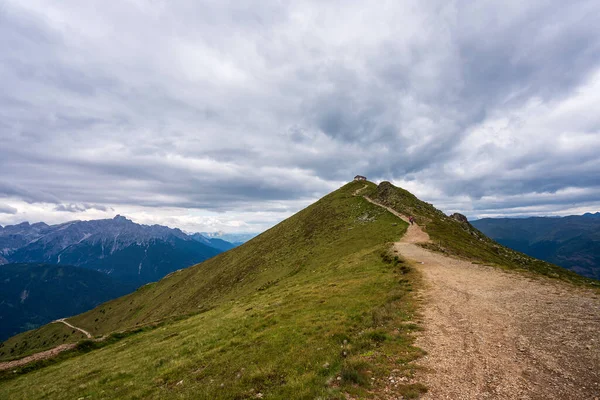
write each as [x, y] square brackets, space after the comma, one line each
[86, 333]
[497, 335]
[492, 334]
[414, 234]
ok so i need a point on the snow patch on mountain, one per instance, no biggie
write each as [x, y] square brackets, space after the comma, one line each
[85, 236]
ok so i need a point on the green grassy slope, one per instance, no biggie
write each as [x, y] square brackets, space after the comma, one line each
[460, 238]
[30, 342]
[314, 236]
[314, 307]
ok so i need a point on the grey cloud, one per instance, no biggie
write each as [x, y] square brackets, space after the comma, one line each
[223, 106]
[29, 196]
[74, 208]
[548, 50]
[6, 209]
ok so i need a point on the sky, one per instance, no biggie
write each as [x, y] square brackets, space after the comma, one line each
[233, 115]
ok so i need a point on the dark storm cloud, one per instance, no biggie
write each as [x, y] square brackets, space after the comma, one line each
[221, 106]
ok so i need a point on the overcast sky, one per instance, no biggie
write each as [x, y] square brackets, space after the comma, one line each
[232, 115]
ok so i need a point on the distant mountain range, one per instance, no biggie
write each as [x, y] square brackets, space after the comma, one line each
[126, 251]
[235, 238]
[219, 244]
[61, 270]
[572, 242]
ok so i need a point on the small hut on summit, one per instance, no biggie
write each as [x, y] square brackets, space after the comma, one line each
[360, 178]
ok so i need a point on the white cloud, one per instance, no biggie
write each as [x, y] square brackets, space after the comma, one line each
[203, 113]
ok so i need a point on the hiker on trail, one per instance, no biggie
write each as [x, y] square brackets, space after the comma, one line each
[411, 219]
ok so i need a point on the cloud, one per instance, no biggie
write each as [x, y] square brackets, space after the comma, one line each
[5, 209]
[229, 108]
[75, 208]
[27, 195]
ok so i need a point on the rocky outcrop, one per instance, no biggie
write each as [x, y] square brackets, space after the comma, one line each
[460, 218]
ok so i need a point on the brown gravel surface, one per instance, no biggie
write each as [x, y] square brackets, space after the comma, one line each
[493, 334]
[497, 335]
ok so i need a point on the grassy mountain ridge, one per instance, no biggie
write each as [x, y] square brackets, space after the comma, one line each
[314, 298]
[280, 252]
[457, 237]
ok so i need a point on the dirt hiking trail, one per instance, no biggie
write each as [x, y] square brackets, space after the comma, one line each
[414, 233]
[491, 334]
[36, 357]
[86, 333]
[45, 354]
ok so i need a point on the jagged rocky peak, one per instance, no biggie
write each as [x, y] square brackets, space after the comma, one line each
[120, 218]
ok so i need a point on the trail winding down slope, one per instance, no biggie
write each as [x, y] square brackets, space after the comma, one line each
[45, 354]
[86, 333]
[491, 334]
